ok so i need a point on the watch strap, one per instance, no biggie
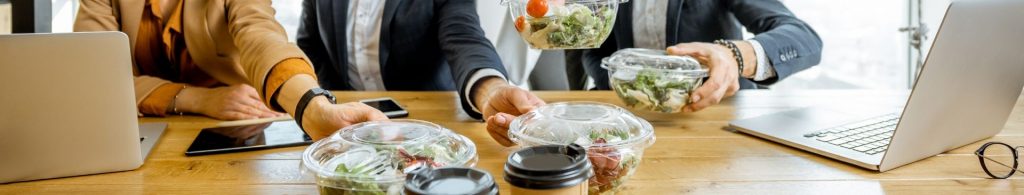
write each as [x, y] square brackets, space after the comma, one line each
[300, 108]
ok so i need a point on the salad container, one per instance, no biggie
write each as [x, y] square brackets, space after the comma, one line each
[615, 138]
[563, 24]
[651, 80]
[374, 157]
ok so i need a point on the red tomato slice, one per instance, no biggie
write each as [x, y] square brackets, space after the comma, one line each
[520, 23]
[537, 8]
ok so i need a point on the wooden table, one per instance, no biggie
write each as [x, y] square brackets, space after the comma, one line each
[693, 154]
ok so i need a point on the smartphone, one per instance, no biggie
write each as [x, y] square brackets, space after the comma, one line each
[248, 137]
[388, 106]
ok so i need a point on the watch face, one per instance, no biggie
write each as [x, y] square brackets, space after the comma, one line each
[328, 94]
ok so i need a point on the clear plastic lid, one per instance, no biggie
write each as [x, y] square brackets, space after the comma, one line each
[589, 124]
[468, 181]
[383, 152]
[638, 58]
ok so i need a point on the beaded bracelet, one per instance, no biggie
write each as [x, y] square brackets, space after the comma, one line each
[735, 52]
[174, 103]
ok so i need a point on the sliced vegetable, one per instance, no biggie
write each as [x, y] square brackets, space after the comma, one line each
[612, 165]
[537, 8]
[520, 23]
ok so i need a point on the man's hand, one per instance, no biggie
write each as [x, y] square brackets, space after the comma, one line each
[500, 103]
[322, 118]
[723, 70]
[235, 102]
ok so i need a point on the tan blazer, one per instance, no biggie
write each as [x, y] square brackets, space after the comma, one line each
[234, 41]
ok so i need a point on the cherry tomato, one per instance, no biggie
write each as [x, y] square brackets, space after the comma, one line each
[520, 23]
[537, 8]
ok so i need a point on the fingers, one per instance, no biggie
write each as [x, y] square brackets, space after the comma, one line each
[524, 101]
[497, 127]
[250, 99]
[373, 114]
[688, 49]
[732, 89]
[255, 107]
[249, 91]
[707, 95]
[357, 112]
[267, 112]
[720, 80]
[723, 76]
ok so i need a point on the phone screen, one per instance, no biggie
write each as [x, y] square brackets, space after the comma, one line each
[385, 105]
[388, 106]
[248, 137]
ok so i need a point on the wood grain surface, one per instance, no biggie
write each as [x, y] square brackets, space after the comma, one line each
[694, 153]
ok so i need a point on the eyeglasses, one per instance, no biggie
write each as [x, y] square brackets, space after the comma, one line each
[998, 159]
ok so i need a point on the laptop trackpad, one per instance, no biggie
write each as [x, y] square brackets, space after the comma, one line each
[801, 120]
[819, 115]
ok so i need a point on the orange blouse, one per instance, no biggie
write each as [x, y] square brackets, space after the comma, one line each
[161, 52]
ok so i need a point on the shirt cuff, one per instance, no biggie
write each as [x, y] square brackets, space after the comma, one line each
[159, 101]
[477, 76]
[764, 70]
[281, 72]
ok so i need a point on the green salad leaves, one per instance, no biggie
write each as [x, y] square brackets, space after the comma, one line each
[574, 26]
[651, 91]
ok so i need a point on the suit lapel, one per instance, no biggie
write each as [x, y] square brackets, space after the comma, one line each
[624, 26]
[675, 11]
[390, 9]
[325, 25]
[338, 12]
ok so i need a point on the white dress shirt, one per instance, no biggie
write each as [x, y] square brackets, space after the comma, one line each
[649, 32]
[363, 33]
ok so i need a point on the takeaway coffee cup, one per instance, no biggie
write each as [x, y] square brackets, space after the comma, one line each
[549, 170]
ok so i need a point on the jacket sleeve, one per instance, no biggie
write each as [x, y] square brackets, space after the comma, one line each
[790, 44]
[591, 60]
[101, 15]
[262, 42]
[465, 46]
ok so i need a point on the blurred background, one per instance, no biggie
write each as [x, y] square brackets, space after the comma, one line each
[868, 44]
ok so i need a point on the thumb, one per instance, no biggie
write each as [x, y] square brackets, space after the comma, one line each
[503, 120]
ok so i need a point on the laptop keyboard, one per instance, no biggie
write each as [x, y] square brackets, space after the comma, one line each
[870, 136]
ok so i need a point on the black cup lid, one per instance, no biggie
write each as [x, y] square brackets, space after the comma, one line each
[450, 181]
[548, 167]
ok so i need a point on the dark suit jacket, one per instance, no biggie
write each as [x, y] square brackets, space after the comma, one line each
[424, 45]
[790, 44]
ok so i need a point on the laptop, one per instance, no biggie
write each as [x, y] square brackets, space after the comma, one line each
[67, 107]
[965, 92]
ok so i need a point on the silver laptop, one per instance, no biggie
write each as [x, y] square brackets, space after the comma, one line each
[67, 107]
[965, 92]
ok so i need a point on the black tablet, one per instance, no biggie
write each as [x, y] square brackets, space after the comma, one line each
[248, 137]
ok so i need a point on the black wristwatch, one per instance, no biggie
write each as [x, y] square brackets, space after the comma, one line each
[306, 98]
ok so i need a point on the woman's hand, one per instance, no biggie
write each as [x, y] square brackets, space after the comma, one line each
[235, 102]
[723, 70]
[321, 118]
